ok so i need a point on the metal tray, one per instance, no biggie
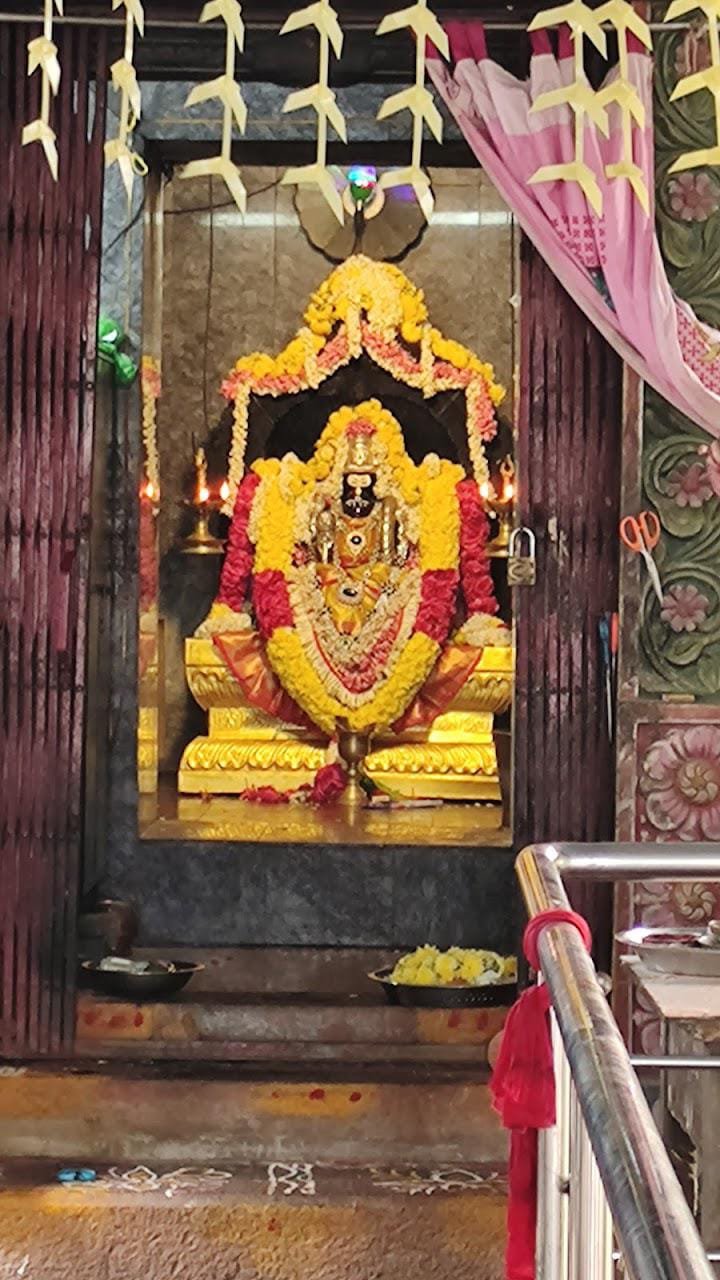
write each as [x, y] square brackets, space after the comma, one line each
[673, 950]
[494, 995]
[163, 979]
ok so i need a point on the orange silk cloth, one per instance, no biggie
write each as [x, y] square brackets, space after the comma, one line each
[244, 656]
[451, 671]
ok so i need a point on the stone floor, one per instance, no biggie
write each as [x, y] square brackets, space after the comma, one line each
[169, 816]
[278, 1221]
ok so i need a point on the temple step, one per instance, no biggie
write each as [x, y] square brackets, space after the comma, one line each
[283, 1005]
[149, 1113]
[267, 1055]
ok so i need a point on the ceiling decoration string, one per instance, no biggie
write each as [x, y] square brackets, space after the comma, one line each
[43, 57]
[225, 89]
[417, 99]
[119, 150]
[321, 97]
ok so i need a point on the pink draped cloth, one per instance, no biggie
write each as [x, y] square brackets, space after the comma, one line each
[611, 265]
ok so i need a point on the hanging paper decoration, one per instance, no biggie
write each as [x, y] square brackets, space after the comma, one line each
[623, 93]
[124, 79]
[577, 95]
[417, 100]
[225, 89]
[584, 102]
[43, 57]
[323, 17]
[708, 79]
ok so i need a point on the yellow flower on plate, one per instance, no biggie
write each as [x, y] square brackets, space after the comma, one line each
[447, 968]
[458, 966]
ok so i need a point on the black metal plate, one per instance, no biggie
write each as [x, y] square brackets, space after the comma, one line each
[497, 995]
[141, 986]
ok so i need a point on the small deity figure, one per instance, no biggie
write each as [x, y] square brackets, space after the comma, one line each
[357, 539]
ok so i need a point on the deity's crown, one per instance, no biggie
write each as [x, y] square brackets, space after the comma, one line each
[361, 447]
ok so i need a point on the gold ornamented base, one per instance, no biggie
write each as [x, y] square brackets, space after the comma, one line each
[454, 760]
[147, 750]
[426, 770]
[227, 767]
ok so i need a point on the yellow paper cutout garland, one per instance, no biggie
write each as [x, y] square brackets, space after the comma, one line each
[417, 100]
[119, 150]
[708, 80]
[584, 102]
[624, 94]
[43, 57]
[321, 97]
[225, 89]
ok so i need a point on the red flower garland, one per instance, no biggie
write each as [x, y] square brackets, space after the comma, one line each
[437, 603]
[477, 583]
[271, 601]
[239, 556]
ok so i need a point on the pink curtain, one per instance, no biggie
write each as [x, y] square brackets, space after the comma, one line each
[611, 265]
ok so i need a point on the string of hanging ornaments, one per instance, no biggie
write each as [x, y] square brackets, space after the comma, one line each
[423, 25]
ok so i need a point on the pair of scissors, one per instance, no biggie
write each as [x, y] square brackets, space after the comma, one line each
[641, 534]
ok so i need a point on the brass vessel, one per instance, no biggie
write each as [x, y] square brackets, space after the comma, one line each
[353, 747]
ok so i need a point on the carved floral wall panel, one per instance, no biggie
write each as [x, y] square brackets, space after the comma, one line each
[680, 643]
[669, 740]
[678, 779]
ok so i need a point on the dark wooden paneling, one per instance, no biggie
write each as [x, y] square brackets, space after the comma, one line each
[49, 257]
[569, 458]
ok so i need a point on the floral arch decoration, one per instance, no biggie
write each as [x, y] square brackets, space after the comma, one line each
[366, 307]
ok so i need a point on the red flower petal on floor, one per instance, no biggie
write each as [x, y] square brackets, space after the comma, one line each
[329, 784]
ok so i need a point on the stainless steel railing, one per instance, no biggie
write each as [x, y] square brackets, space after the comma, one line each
[604, 1169]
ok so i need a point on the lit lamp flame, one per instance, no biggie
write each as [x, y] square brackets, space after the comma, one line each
[224, 491]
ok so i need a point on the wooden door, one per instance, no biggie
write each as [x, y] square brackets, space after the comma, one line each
[49, 260]
[569, 460]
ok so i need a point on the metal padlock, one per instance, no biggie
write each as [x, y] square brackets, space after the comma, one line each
[521, 566]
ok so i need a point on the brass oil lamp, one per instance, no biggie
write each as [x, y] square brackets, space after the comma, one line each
[499, 504]
[203, 505]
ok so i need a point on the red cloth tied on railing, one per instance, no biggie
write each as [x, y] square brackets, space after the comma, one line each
[523, 1094]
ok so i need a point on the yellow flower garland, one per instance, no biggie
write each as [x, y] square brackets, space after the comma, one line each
[287, 657]
[432, 486]
[361, 299]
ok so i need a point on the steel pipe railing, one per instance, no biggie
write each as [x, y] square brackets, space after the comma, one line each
[652, 1221]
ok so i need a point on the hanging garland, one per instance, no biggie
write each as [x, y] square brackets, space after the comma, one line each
[119, 150]
[418, 100]
[371, 307]
[43, 57]
[321, 98]
[226, 90]
[372, 684]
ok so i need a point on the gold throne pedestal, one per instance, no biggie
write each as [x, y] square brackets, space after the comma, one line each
[454, 759]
